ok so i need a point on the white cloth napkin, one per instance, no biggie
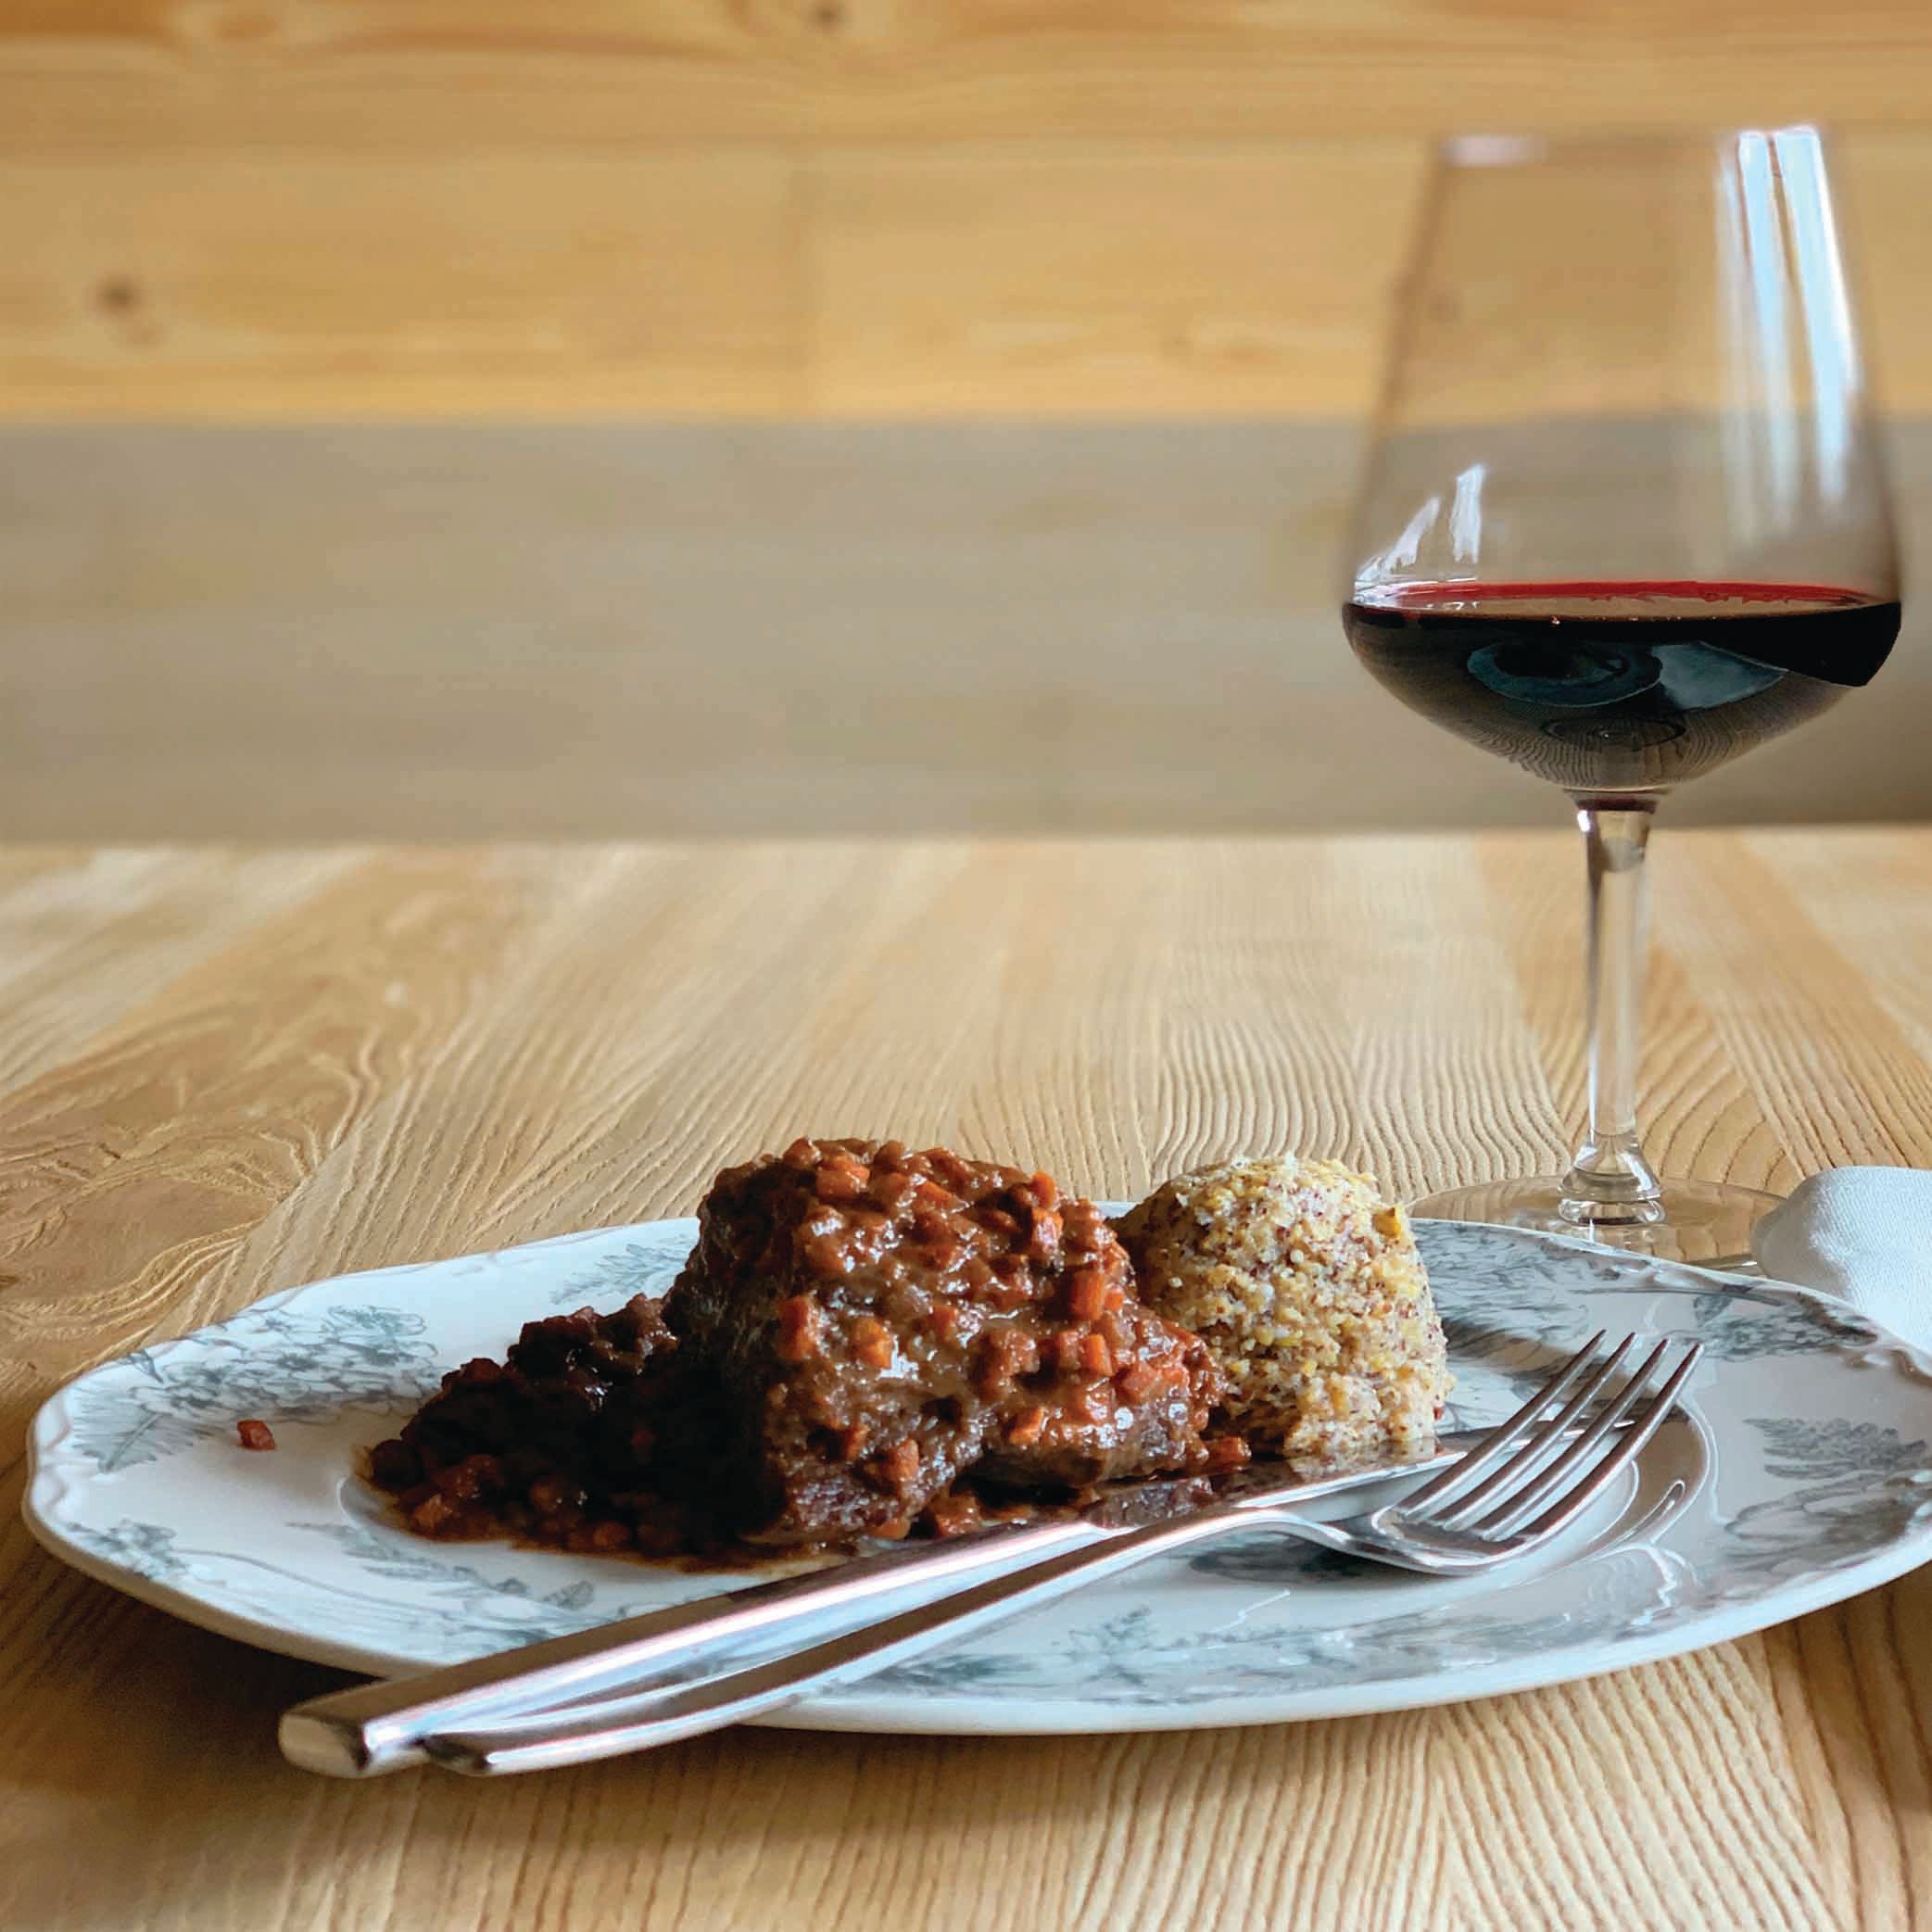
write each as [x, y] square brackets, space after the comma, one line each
[1862, 1234]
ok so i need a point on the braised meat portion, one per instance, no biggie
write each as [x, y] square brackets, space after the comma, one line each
[880, 1322]
[587, 1435]
[864, 1339]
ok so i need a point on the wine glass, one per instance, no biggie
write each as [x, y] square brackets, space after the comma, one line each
[1625, 518]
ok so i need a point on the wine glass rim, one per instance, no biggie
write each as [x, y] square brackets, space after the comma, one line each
[1507, 147]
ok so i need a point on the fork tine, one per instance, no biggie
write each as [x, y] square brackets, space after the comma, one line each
[1541, 1444]
[1505, 1438]
[1521, 1506]
[1567, 1507]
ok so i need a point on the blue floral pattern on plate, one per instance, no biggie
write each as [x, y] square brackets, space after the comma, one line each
[1804, 1473]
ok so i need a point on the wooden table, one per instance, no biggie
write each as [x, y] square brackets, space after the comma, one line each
[223, 1073]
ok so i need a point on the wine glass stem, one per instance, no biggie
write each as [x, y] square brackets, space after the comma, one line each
[1609, 1177]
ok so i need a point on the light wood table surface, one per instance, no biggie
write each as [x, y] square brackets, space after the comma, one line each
[224, 1073]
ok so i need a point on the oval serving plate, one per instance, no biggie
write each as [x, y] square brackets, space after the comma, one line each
[1801, 1474]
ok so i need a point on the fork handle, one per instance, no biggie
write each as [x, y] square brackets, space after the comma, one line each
[546, 1739]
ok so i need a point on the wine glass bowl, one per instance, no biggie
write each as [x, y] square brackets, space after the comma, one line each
[1623, 519]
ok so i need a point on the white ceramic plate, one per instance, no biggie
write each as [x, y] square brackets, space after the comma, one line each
[1801, 1475]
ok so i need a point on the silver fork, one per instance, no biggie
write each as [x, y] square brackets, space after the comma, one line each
[1507, 1496]
[1532, 1478]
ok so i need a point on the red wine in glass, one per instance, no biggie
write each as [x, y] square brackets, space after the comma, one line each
[1624, 517]
[1617, 688]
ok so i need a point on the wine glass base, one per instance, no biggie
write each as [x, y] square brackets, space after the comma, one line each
[1703, 1222]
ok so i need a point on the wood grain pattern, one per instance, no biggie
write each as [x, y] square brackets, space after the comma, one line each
[428, 75]
[267, 1068]
[1133, 280]
[185, 284]
[1131, 277]
[329, 211]
[145, 912]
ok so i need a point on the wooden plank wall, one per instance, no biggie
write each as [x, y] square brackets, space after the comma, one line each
[343, 207]
[452, 630]
[236, 235]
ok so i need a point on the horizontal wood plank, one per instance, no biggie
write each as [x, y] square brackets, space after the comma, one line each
[305, 283]
[1135, 278]
[438, 76]
[516, 630]
[338, 206]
